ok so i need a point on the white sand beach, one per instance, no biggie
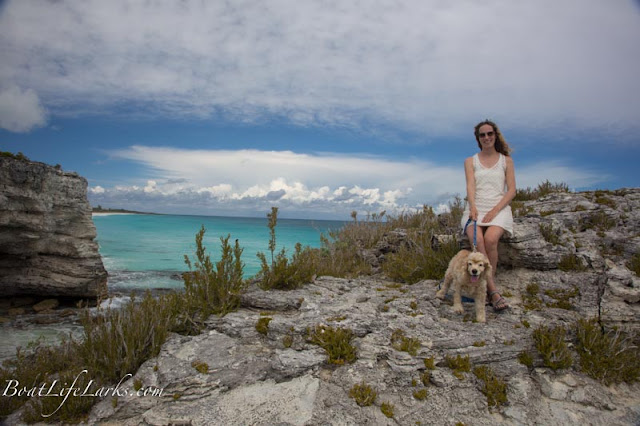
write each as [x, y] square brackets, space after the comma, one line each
[108, 214]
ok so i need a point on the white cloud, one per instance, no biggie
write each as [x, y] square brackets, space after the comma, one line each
[246, 182]
[96, 190]
[20, 110]
[418, 65]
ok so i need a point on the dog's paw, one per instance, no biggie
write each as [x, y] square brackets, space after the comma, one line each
[458, 309]
[440, 294]
[481, 319]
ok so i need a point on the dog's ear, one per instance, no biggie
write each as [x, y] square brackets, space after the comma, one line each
[487, 267]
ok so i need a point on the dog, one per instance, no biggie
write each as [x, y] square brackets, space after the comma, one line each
[467, 272]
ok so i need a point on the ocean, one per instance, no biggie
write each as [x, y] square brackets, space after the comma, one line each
[143, 251]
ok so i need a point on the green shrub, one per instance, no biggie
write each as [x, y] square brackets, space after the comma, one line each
[54, 408]
[561, 297]
[607, 356]
[417, 260]
[262, 326]
[429, 363]
[282, 273]
[336, 342]
[364, 394]
[117, 341]
[571, 262]
[339, 258]
[525, 358]
[545, 188]
[519, 209]
[201, 367]
[530, 300]
[549, 234]
[425, 377]
[387, 409]
[459, 365]
[137, 384]
[606, 202]
[598, 220]
[19, 156]
[420, 394]
[400, 342]
[287, 340]
[494, 388]
[634, 264]
[552, 347]
[213, 289]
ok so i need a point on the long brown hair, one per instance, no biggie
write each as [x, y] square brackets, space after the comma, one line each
[501, 145]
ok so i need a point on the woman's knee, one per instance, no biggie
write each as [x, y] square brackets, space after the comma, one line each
[492, 238]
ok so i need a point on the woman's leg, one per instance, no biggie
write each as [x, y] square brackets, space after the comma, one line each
[491, 239]
[487, 239]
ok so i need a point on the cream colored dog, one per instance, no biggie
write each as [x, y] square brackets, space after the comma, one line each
[467, 271]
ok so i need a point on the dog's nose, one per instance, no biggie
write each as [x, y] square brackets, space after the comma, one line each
[474, 271]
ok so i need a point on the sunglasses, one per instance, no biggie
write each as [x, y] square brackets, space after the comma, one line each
[482, 135]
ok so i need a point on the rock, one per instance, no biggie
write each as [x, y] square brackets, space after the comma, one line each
[46, 305]
[47, 236]
[282, 378]
[14, 312]
[255, 378]
[17, 302]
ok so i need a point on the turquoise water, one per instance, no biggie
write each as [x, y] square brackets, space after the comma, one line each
[147, 251]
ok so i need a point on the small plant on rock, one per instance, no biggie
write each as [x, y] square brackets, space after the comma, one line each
[607, 356]
[201, 367]
[530, 300]
[549, 234]
[262, 326]
[571, 262]
[420, 395]
[552, 347]
[425, 377]
[494, 388]
[336, 342]
[525, 359]
[363, 394]
[400, 342]
[429, 363]
[634, 264]
[561, 298]
[459, 365]
[387, 409]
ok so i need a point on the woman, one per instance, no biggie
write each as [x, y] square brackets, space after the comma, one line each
[491, 185]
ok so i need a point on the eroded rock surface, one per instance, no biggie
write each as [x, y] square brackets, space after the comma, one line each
[47, 236]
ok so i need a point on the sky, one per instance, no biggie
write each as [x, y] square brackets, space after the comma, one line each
[320, 107]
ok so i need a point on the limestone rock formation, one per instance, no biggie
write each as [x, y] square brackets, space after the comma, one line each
[47, 236]
[283, 378]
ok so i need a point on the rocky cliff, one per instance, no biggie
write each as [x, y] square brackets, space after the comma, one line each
[568, 259]
[47, 236]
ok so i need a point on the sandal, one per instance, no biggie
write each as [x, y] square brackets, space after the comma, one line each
[500, 304]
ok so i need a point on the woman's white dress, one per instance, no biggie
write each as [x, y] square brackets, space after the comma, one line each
[491, 185]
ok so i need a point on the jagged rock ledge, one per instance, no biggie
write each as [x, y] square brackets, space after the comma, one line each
[47, 236]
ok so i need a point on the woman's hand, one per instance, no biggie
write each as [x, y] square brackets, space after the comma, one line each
[491, 214]
[473, 213]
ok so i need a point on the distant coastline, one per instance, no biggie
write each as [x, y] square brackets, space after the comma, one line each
[99, 211]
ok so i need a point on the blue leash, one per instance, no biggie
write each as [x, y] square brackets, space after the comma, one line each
[475, 231]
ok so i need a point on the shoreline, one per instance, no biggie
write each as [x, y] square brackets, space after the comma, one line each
[112, 214]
